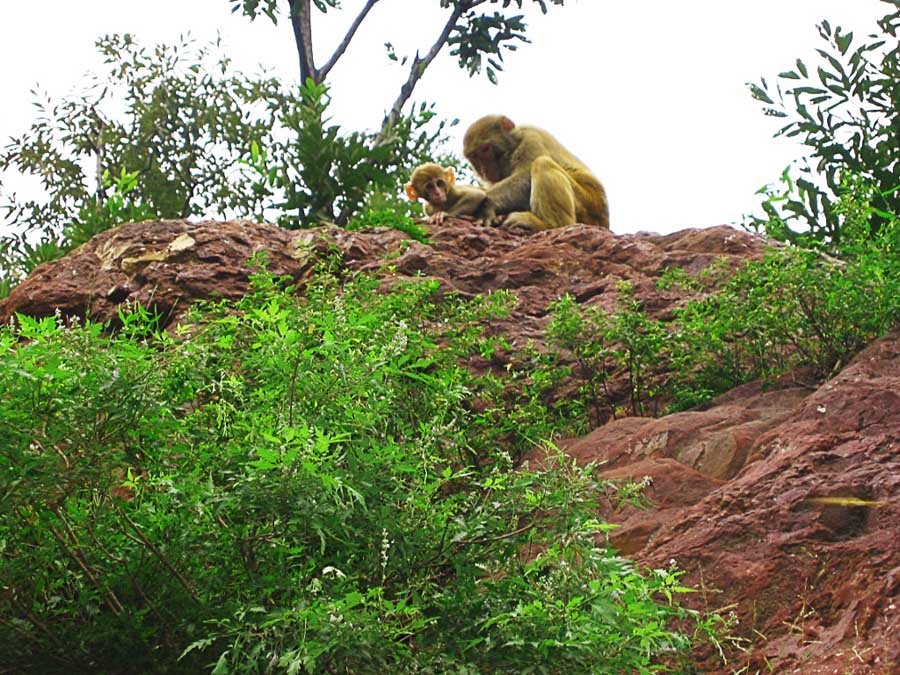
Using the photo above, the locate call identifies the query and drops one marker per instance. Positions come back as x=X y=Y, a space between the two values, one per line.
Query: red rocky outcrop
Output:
x=168 y=264
x=814 y=575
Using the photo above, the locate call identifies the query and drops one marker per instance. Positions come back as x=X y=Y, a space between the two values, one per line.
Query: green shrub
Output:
x=796 y=308
x=846 y=111
x=580 y=331
x=605 y=346
x=298 y=485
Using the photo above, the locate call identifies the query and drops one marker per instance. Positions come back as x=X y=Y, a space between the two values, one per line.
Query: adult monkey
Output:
x=532 y=177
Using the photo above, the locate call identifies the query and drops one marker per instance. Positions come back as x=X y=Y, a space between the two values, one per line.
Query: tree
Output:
x=176 y=132
x=847 y=111
x=473 y=37
x=187 y=119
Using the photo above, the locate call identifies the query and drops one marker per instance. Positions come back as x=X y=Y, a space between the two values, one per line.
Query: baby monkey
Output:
x=443 y=197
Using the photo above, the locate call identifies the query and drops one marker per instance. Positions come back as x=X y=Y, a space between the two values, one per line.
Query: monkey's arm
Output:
x=505 y=196
x=513 y=193
x=468 y=200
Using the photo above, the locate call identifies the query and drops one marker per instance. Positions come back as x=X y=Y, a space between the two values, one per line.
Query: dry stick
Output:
x=149 y=603
x=37 y=623
x=159 y=555
x=59 y=452
x=505 y=535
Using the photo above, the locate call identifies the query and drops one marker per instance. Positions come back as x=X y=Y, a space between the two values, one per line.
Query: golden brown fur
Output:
x=532 y=177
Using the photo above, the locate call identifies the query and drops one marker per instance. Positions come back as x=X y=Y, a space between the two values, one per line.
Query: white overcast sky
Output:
x=650 y=94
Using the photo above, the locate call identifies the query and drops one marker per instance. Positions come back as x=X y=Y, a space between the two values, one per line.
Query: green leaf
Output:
x=759 y=94
x=843 y=41
x=221 y=667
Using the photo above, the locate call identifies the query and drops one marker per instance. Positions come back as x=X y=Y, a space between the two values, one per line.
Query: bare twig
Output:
x=417 y=69
x=322 y=73
x=156 y=552
x=73 y=550
x=505 y=535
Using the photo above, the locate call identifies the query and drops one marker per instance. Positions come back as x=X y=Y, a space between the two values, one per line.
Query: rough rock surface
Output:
x=738 y=486
x=165 y=265
x=816 y=584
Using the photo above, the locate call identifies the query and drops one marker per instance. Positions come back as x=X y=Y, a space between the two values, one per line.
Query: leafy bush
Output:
x=174 y=116
x=580 y=331
x=847 y=112
x=297 y=485
x=608 y=347
x=797 y=308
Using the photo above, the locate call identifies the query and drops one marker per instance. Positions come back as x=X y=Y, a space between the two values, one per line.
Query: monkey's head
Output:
x=488 y=144
x=431 y=182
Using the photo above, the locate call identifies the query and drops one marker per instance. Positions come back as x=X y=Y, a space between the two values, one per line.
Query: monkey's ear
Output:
x=411 y=192
x=449 y=176
x=507 y=124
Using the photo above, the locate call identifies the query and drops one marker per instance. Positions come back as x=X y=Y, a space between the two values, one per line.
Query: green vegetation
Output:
x=298 y=485
x=605 y=346
x=847 y=112
x=312 y=483
x=796 y=309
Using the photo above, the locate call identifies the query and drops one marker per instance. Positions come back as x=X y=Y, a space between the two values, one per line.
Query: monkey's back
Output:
x=536 y=142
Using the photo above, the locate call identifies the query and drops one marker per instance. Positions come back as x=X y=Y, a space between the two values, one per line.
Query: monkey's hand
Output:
x=487 y=214
x=437 y=218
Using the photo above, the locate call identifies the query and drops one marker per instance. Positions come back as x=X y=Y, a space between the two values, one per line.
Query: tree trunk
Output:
x=301 y=22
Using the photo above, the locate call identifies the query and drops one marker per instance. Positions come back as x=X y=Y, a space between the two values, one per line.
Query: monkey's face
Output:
x=432 y=183
x=435 y=192
x=486 y=160
x=488 y=144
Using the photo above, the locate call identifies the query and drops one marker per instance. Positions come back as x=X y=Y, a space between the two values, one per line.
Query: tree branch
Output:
x=188 y=586
x=417 y=69
x=300 y=21
x=341 y=48
x=498 y=537
x=74 y=552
